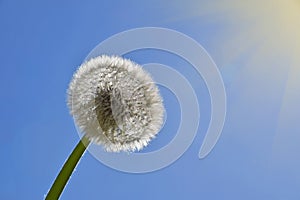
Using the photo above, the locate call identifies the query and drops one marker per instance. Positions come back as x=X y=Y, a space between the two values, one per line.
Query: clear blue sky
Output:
x=43 y=42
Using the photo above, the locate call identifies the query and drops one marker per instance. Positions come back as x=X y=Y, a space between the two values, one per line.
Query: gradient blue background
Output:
x=43 y=42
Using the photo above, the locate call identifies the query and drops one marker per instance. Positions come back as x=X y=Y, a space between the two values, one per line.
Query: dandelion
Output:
x=115 y=104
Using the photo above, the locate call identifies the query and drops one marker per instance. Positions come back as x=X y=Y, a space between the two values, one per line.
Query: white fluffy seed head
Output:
x=115 y=103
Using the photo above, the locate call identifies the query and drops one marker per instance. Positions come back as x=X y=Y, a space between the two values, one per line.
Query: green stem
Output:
x=66 y=171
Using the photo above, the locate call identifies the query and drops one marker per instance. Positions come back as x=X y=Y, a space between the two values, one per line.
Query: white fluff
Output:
x=115 y=103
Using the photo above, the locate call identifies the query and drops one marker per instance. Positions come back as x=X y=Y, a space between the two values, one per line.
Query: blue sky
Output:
x=43 y=42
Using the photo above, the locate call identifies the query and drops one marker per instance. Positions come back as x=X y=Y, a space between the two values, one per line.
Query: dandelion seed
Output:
x=115 y=103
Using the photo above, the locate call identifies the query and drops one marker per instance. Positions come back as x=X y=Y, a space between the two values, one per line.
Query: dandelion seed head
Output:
x=115 y=103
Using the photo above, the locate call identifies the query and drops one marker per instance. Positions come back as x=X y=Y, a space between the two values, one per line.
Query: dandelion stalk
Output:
x=66 y=171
